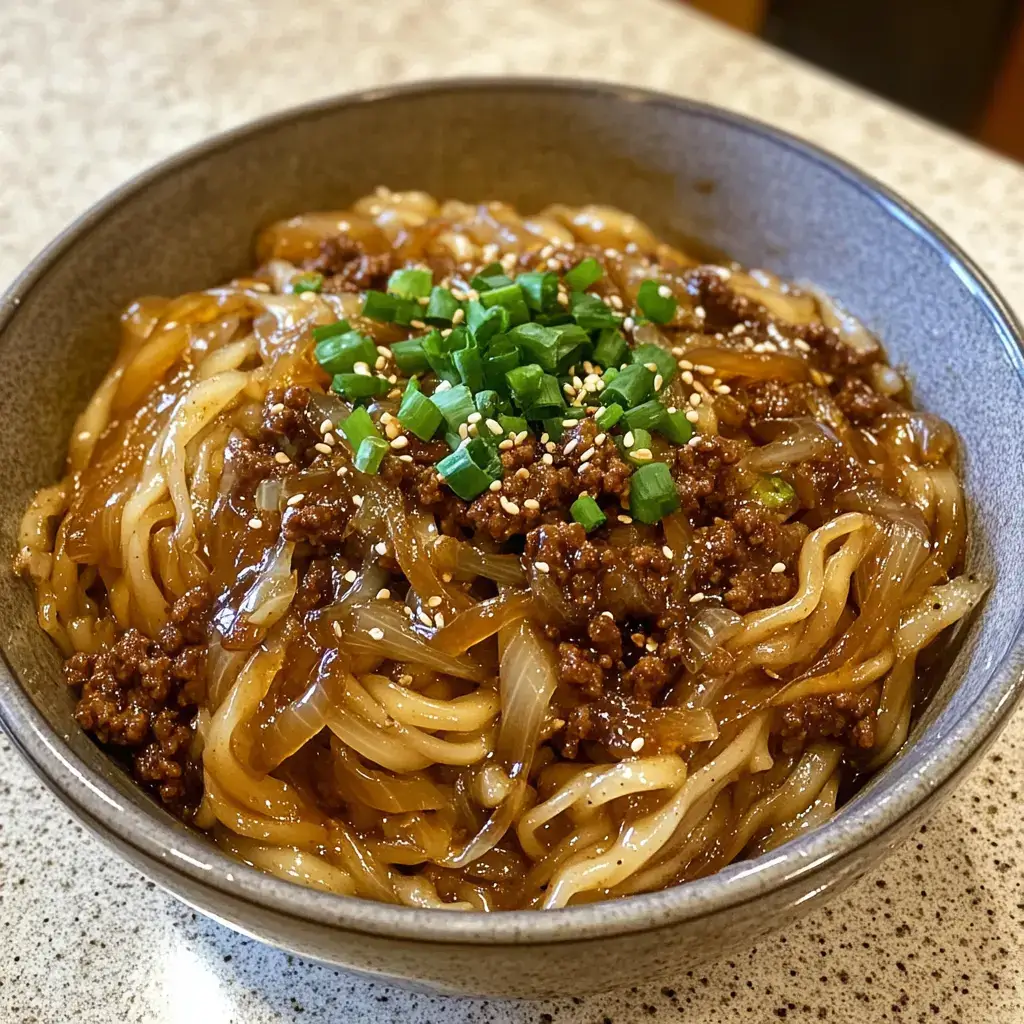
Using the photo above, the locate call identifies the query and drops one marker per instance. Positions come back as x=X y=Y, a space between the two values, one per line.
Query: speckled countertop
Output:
x=91 y=93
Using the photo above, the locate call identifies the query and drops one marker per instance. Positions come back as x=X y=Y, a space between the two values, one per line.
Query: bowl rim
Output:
x=862 y=823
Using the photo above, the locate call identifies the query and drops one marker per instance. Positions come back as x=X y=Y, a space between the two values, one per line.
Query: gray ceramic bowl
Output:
x=687 y=169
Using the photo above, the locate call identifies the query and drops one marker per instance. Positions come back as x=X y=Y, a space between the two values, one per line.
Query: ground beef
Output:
x=348 y=266
x=143 y=695
x=578 y=668
x=773 y=400
x=846 y=717
x=699 y=471
x=860 y=403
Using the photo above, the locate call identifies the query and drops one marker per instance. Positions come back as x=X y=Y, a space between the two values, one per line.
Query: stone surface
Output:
x=89 y=94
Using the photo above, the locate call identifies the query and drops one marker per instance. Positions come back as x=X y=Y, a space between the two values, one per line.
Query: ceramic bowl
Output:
x=690 y=171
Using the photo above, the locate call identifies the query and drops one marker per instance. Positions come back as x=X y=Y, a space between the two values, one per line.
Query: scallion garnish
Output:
x=655 y=354
x=389 y=308
x=357 y=426
x=324 y=331
x=513 y=424
x=487 y=402
x=370 y=454
x=438 y=352
x=441 y=308
x=612 y=349
x=417 y=413
x=634 y=441
x=587 y=513
x=455 y=404
x=652 y=493
x=492 y=276
x=471 y=468
x=608 y=416
x=340 y=352
x=510 y=297
x=653 y=304
x=410 y=283
x=584 y=274
x=676 y=427
x=540 y=289
x=629 y=387
x=646 y=416
x=355 y=386
x=524 y=383
x=591 y=313
x=773 y=491
x=470 y=366
x=547 y=401
x=310 y=281
x=409 y=356
x=502 y=356
x=486 y=322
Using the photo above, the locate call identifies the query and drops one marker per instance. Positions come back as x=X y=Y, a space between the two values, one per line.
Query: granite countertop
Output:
x=90 y=94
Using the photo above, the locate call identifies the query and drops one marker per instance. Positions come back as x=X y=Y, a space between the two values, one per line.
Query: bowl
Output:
x=690 y=171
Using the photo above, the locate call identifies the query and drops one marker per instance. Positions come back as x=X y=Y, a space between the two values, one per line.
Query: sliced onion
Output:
x=847 y=326
x=268 y=495
x=707 y=631
x=466 y=561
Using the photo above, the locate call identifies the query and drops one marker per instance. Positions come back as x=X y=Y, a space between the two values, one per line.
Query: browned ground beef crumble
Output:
x=623 y=604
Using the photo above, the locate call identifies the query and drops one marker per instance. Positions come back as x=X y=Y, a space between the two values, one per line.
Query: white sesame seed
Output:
x=400 y=442
x=724 y=389
x=324 y=449
x=531 y=503
x=494 y=485
x=599 y=439
x=383 y=594
x=547 y=458
x=696 y=598
x=83 y=435
x=642 y=454
x=571 y=446
x=686 y=377
x=658 y=381
x=667 y=551
x=523 y=473
x=548 y=250
x=357 y=500
x=380 y=363
x=474 y=417
x=458 y=316
x=326 y=427
x=653 y=367
x=587 y=455
x=694 y=441
x=439 y=619
x=377 y=633
x=569 y=390
x=692 y=415
x=615 y=301
x=391 y=430
x=568 y=423
x=664 y=291
x=695 y=399
x=350 y=576
x=424 y=618
x=296 y=499
x=550 y=446
x=342 y=470
x=638 y=744
x=381 y=548
x=494 y=427
x=406 y=458
x=277 y=407
x=435 y=601
x=779 y=567
x=628 y=324
x=801 y=344
x=464 y=430
x=625 y=519
x=542 y=567
x=521 y=436
x=628 y=439
x=507 y=445
x=509 y=506
x=255 y=523
x=444 y=385
x=417 y=324
x=363 y=369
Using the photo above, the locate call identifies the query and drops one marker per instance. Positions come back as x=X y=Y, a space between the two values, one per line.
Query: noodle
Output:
x=365 y=562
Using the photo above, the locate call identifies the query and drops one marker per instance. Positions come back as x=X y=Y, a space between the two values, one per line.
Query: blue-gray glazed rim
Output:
x=944 y=747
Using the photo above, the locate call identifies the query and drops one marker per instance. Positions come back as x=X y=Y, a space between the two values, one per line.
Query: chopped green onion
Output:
x=410 y=283
x=547 y=401
x=417 y=413
x=646 y=416
x=307 y=282
x=339 y=353
x=470 y=365
x=573 y=345
x=471 y=468
x=540 y=289
x=511 y=297
x=591 y=313
x=612 y=349
x=497 y=364
x=676 y=427
x=652 y=493
x=552 y=426
x=630 y=386
x=584 y=274
x=524 y=383
x=513 y=424
x=773 y=492
x=488 y=403
x=441 y=308
x=357 y=426
x=409 y=356
x=438 y=352
x=539 y=345
x=325 y=331
x=389 y=308
x=554 y=319
x=639 y=441
x=653 y=304
x=587 y=513
x=609 y=416
x=359 y=385
x=492 y=276
x=370 y=454
x=610 y=373
x=486 y=321
x=666 y=364
x=456 y=405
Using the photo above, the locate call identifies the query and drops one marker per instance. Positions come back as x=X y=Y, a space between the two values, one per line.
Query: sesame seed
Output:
x=507 y=445
x=696 y=598
x=424 y=618
x=724 y=389
x=615 y=301
x=418 y=324
x=642 y=454
x=446 y=577
x=350 y=576
x=336 y=626
x=568 y=423
x=381 y=548
x=384 y=351
x=472 y=294
x=494 y=427
x=463 y=430
x=494 y=485
x=439 y=619
x=255 y=523
x=638 y=744
x=546 y=458
x=363 y=369
x=342 y=470
x=377 y=633
x=357 y=500
x=509 y=506
x=324 y=449
x=296 y=499
x=628 y=324
x=694 y=441
x=658 y=381
x=383 y=594
x=708 y=371
x=625 y=519
x=692 y=415
x=532 y=503
x=571 y=446
x=391 y=430
x=569 y=390
x=542 y=566
x=523 y=473
x=521 y=436
x=458 y=316
x=695 y=399
x=548 y=250
x=599 y=439
x=779 y=567
x=653 y=367
x=550 y=446
x=400 y=442
x=406 y=458
x=664 y=291
x=277 y=407
x=444 y=385
x=474 y=417
x=628 y=439
x=686 y=376
x=587 y=455
x=667 y=551
x=699 y=310
x=801 y=344
x=435 y=601
x=326 y=427
x=380 y=363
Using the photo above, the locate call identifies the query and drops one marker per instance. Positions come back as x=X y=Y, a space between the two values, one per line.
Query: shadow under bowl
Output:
x=690 y=171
